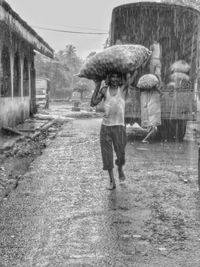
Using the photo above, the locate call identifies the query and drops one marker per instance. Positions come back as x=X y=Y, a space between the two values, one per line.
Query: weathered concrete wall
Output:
x=16 y=107
x=17 y=71
x=13 y=110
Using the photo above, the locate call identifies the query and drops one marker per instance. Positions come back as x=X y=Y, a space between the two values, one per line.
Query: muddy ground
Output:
x=61 y=214
x=15 y=161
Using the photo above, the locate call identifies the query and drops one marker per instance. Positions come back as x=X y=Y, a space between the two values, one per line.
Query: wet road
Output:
x=62 y=215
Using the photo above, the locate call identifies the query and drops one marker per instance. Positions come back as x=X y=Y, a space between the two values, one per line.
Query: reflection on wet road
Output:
x=62 y=215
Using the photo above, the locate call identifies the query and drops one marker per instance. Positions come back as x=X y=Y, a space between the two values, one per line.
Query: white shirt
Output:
x=114 y=107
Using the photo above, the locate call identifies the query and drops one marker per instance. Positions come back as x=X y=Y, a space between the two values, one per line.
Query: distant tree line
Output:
x=61 y=71
x=66 y=64
x=192 y=3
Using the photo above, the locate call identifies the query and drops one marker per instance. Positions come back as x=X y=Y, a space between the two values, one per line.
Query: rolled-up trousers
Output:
x=112 y=137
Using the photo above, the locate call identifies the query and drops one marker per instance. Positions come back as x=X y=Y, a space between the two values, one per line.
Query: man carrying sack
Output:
x=114 y=65
x=113 y=132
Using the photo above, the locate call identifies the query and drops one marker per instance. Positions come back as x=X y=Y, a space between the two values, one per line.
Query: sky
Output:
x=70 y=15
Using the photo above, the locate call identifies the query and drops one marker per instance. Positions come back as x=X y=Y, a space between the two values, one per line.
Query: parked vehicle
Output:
x=42 y=92
x=177 y=29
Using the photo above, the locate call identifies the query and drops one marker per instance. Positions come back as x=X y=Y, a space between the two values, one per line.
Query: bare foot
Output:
x=112 y=186
x=122 y=176
x=112 y=180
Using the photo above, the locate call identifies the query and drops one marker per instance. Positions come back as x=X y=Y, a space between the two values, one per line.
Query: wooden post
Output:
x=199 y=169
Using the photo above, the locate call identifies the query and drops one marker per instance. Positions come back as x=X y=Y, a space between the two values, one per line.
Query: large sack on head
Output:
x=147 y=82
x=180 y=66
x=179 y=76
x=117 y=58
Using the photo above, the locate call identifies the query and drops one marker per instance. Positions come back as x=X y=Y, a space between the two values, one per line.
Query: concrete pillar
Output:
x=199 y=169
x=22 y=74
x=29 y=79
x=33 y=89
x=1 y=76
x=12 y=72
x=1 y=69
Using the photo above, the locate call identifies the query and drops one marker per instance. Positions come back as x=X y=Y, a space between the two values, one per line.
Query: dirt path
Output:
x=61 y=214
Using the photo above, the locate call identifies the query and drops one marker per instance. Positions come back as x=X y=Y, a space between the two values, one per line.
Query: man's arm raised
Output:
x=97 y=95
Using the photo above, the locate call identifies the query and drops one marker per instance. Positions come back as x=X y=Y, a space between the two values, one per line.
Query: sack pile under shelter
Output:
x=18 y=43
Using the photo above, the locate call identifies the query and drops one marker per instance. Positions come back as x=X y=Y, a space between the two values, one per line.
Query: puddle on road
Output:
x=142 y=148
x=67 y=135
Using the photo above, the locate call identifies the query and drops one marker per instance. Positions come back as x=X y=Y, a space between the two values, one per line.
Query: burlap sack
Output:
x=147 y=82
x=180 y=66
x=117 y=58
x=181 y=84
x=179 y=76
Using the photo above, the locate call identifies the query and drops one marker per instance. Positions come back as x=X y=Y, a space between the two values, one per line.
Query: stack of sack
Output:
x=148 y=82
x=179 y=74
x=117 y=58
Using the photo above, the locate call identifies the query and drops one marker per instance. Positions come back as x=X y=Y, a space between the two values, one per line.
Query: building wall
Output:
x=14 y=110
x=17 y=78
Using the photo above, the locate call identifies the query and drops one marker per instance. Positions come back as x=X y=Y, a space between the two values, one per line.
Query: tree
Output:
x=60 y=70
x=82 y=87
x=192 y=3
x=91 y=54
x=69 y=58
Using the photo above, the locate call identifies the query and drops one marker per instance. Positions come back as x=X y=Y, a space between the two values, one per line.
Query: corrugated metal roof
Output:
x=18 y=25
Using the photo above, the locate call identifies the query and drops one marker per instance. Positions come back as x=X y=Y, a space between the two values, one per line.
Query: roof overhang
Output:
x=18 y=25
